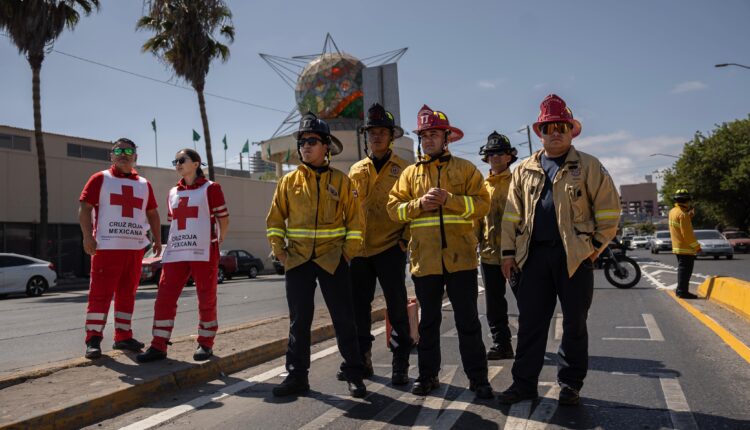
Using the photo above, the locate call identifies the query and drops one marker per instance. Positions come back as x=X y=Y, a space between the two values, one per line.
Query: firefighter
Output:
x=199 y=221
x=500 y=155
x=117 y=209
x=562 y=211
x=684 y=244
x=383 y=252
x=314 y=230
x=439 y=197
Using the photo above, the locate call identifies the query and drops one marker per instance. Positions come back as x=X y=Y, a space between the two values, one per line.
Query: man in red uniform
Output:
x=124 y=209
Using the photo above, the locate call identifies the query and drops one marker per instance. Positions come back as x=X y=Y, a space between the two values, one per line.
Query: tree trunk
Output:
x=41 y=238
x=206 y=133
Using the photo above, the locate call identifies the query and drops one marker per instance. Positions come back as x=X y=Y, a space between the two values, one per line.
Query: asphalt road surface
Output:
x=652 y=365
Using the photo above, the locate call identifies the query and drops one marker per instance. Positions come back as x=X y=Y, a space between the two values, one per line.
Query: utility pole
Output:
x=528 y=136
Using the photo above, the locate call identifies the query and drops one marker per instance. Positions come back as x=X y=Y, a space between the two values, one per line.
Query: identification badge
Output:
x=333 y=192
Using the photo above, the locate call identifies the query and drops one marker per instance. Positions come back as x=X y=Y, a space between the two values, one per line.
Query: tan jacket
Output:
x=488 y=228
x=467 y=201
x=681 y=230
x=317 y=213
x=586 y=201
x=379 y=232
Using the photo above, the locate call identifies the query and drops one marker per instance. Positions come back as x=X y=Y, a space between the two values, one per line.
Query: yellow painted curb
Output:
x=730 y=292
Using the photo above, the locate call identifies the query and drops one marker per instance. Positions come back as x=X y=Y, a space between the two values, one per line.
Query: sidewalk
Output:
x=80 y=392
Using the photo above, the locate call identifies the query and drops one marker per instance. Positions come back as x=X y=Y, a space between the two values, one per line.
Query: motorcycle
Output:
x=619 y=269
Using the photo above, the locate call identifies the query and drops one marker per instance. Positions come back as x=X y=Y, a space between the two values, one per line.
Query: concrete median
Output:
x=729 y=292
x=80 y=392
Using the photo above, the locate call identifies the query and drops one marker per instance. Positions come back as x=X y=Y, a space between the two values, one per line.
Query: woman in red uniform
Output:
x=199 y=220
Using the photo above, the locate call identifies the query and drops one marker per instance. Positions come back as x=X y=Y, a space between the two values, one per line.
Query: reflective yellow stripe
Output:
x=275 y=232
x=298 y=233
x=432 y=221
x=694 y=245
x=469 y=203
x=354 y=234
x=402 y=212
x=685 y=250
x=674 y=224
x=512 y=217
x=607 y=214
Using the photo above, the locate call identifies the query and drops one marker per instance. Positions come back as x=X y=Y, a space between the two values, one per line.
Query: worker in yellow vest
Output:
x=684 y=244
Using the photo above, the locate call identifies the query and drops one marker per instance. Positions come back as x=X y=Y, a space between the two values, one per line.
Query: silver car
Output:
x=23 y=274
x=662 y=241
x=714 y=244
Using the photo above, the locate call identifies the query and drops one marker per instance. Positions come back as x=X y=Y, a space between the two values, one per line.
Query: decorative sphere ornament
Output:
x=330 y=86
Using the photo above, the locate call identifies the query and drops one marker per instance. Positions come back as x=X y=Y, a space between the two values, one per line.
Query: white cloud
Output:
x=540 y=86
x=599 y=139
x=688 y=86
x=490 y=84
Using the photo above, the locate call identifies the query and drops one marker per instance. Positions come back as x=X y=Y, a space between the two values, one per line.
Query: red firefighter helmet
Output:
x=554 y=109
x=428 y=119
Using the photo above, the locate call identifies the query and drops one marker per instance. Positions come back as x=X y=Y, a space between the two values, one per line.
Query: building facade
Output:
x=640 y=202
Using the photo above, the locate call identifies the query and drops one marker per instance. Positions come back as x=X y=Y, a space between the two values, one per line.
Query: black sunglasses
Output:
x=181 y=160
x=311 y=141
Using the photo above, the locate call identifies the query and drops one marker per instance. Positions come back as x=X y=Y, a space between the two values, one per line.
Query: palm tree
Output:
x=33 y=26
x=184 y=39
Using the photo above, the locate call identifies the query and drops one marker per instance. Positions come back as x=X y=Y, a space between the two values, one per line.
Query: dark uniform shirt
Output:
x=545 y=219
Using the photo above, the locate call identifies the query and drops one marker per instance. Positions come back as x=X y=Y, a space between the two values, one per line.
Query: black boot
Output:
x=292 y=384
x=202 y=353
x=129 y=345
x=400 y=375
x=368 y=372
x=357 y=388
x=151 y=354
x=94 y=348
x=512 y=395
x=500 y=351
x=483 y=390
x=568 y=396
x=424 y=385
x=685 y=295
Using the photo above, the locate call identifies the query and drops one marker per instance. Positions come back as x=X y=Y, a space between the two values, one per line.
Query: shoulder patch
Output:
x=395 y=170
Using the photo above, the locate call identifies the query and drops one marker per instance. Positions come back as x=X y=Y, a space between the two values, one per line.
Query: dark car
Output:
x=247 y=264
x=151 y=268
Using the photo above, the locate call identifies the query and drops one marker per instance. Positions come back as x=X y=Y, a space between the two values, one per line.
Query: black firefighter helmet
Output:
x=377 y=116
x=311 y=124
x=682 y=195
x=498 y=144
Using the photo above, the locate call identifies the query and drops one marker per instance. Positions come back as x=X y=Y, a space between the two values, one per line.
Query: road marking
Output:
x=740 y=348
x=558 y=326
x=456 y=408
x=433 y=404
x=662 y=271
x=679 y=410
x=385 y=416
x=518 y=415
x=198 y=402
x=544 y=410
x=654 y=333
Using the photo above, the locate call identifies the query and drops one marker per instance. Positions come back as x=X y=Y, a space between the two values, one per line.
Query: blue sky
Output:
x=638 y=74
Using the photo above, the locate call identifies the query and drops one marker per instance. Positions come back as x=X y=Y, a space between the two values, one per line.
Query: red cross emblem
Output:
x=127 y=200
x=182 y=212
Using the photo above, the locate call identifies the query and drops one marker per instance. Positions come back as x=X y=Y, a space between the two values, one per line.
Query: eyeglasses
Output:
x=310 y=141
x=126 y=151
x=551 y=127
x=181 y=160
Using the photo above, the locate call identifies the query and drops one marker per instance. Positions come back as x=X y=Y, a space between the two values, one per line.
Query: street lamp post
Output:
x=732 y=64
x=528 y=137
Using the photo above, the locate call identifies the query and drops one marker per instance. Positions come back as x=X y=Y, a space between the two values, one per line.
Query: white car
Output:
x=662 y=241
x=22 y=274
x=714 y=244
x=639 y=242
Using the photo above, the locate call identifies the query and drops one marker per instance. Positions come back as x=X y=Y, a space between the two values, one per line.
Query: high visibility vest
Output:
x=190 y=231
x=121 y=221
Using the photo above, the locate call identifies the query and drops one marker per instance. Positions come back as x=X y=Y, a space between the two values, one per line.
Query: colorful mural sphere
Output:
x=330 y=86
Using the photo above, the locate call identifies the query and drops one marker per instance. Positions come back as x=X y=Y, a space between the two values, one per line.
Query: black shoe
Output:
x=151 y=354
x=368 y=371
x=500 y=351
x=483 y=390
x=357 y=388
x=128 y=345
x=400 y=375
x=94 y=348
x=292 y=385
x=568 y=397
x=424 y=385
x=511 y=395
x=686 y=295
x=202 y=353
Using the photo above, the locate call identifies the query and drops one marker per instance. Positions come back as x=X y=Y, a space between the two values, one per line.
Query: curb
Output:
x=729 y=292
x=120 y=401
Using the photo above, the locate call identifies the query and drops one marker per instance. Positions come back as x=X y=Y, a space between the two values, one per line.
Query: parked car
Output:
x=662 y=241
x=627 y=242
x=151 y=267
x=739 y=240
x=639 y=242
x=247 y=264
x=713 y=244
x=23 y=274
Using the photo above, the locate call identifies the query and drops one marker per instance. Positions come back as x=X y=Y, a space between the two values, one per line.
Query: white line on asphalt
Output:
x=679 y=410
x=518 y=416
x=456 y=408
x=558 y=326
x=432 y=405
x=385 y=416
x=663 y=271
x=654 y=333
x=198 y=402
x=544 y=410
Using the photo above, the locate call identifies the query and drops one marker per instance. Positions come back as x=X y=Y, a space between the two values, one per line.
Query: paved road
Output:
x=49 y=328
x=653 y=365
x=738 y=267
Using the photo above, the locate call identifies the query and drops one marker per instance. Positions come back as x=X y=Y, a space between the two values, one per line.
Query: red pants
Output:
x=113 y=272
x=173 y=279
